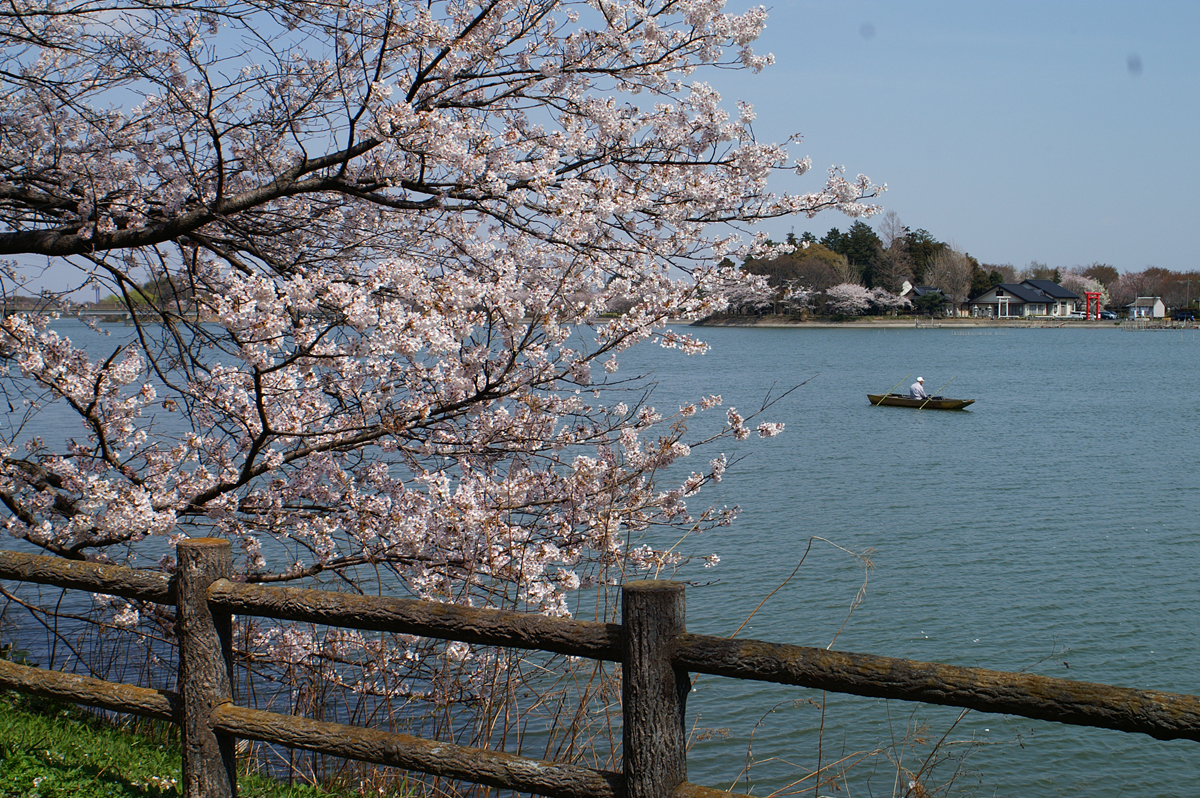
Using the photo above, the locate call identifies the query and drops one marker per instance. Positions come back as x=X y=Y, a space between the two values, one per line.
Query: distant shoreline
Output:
x=882 y=323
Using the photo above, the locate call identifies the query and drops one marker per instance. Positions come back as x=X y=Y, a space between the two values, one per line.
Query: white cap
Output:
x=920 y=379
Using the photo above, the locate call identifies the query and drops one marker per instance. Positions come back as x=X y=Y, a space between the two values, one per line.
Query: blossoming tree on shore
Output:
x=363 y=245
x=848 y=299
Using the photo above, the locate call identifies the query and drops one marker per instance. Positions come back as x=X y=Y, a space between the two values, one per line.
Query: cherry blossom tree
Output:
x=1075 y=281
x=364 y=246
x=1131 y=285
x=887 y=301
x=795 y=297
x=848 y=299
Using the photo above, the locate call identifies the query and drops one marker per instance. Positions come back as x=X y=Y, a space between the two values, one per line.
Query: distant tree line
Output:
x=882 y=259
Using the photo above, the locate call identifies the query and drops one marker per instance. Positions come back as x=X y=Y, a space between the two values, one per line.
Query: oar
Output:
x=894 y=387
x=935 y=393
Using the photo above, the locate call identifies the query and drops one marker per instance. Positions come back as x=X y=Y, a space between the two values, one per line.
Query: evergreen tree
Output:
x=835 y=241
x=922 y=248
x=983 y=281
x=864 y=251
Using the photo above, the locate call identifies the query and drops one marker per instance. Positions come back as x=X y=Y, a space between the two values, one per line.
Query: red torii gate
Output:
x=1093 y=297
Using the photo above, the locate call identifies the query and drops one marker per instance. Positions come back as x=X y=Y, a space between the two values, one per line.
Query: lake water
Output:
x=1051 y=527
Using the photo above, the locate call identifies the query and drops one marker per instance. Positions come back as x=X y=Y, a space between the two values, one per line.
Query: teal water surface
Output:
x=1051 y=527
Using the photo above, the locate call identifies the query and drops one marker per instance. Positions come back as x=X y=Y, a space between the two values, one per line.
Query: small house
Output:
x=1147 y=307
x=914 y=292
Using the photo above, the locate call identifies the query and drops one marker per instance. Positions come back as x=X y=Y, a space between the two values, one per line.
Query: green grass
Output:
x=54 y=750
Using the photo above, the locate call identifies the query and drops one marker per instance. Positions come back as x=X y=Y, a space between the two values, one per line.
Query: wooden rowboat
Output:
x=933 y=403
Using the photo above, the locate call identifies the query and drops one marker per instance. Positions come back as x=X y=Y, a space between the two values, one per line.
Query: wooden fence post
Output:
x=653 y=614
x=205 y=662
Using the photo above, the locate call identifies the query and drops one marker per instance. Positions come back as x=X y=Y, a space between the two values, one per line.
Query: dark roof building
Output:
x=1051 y=288
x=1026 y=298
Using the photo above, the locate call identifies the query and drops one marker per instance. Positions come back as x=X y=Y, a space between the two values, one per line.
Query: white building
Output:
x=1147 y=307
x=1026 y=298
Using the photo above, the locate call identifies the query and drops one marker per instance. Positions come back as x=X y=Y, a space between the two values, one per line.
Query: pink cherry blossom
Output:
x=370 y=253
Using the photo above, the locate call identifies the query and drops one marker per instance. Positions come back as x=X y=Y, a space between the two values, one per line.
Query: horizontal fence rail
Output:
x=112 y=580
x=482 y=766
x=424 y=618
x=651 y=643
x=1165 y=716
x=128 y=698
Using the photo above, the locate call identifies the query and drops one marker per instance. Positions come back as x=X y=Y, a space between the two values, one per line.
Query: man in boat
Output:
x=917 y=391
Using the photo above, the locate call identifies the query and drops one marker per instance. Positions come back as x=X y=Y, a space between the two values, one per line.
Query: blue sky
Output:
x=1061 y=132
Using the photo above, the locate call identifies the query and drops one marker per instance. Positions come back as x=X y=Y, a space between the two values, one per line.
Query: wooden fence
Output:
x=651 y=642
